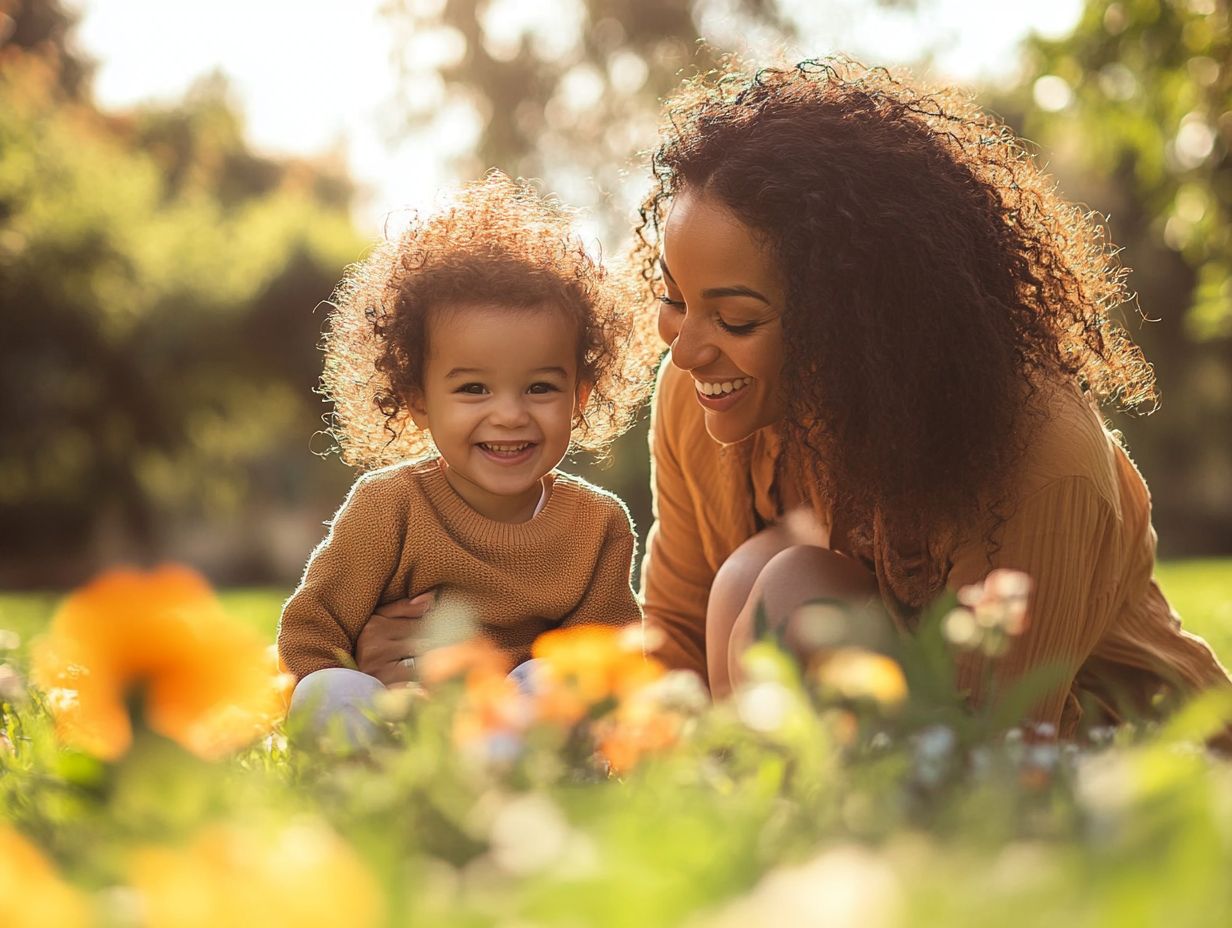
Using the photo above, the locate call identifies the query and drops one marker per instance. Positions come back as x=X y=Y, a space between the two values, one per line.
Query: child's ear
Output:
x=583 y=394
x=418 y=408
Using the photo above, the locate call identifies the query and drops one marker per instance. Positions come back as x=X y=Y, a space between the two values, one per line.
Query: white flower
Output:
x=844 y=887
x=763 y=706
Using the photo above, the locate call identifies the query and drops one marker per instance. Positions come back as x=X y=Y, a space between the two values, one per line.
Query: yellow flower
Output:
x=206 y=681
x=302 y=875
x=855 y=673
x=32 y=895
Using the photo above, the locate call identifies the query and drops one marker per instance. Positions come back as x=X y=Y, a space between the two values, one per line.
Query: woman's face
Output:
x=721 y=315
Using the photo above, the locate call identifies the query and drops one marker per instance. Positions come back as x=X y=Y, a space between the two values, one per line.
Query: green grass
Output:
x=1201 y=593
x=918 y=815
x=1199 y=590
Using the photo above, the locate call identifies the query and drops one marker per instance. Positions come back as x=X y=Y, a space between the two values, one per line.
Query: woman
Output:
x=881 y=318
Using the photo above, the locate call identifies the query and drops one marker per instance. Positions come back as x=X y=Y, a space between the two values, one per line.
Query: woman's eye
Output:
x=668 y=301
x=744 y=329
x=475 y=389
x=543 y=388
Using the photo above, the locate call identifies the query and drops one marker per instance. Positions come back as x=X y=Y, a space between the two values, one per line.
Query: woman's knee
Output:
x=801 y=573
x=729 y=591
x=734 y=579
x=852 y=614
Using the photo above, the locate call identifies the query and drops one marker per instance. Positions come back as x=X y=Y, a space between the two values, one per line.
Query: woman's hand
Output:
x=388 y=643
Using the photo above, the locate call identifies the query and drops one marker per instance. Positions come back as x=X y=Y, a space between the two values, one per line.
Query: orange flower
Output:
x=641 y=725
x=32 y=895
x=584 y=665
x=493 y=708
x=205 y=680
x=475 y=657
x=301 y=875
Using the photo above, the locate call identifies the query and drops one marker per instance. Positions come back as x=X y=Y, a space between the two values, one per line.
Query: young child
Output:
x=464 y=361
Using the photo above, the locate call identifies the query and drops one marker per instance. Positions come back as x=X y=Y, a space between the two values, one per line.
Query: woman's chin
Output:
x=730 y=430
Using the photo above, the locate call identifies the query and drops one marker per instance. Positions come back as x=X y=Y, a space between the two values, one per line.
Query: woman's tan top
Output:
x=1079 y=524
x=403 y=530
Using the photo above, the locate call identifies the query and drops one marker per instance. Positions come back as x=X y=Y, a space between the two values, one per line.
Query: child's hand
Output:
x=386 y=647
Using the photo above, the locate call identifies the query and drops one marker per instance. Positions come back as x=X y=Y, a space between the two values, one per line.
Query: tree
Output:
x=565 y=92
x=1135 y=111
x=46 y=27
x=1142 y=91
x=157 y=285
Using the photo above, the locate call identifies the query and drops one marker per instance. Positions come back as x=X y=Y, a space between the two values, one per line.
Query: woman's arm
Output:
x=676 y=579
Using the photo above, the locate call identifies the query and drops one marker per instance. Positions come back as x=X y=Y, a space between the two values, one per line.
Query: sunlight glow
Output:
x=323 y=76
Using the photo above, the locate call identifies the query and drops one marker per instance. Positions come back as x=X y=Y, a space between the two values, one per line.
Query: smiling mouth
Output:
x=510 y=449
x=721 y=387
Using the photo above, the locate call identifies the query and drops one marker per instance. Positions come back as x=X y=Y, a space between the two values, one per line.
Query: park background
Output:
x=163 y=263
x=182 y=184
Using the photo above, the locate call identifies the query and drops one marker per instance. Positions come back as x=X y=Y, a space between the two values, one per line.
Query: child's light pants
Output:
x=341 y=700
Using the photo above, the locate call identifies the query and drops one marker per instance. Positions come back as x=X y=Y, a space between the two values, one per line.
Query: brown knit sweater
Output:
x=403 y=530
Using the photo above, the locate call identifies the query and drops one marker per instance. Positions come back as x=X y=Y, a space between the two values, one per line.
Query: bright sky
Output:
x=316 y=75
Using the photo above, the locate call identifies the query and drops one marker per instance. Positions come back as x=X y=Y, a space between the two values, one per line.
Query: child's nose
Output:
x=510 y=411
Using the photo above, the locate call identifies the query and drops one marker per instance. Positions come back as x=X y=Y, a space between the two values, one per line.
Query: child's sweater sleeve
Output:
x=609 y=599
x=343 y=582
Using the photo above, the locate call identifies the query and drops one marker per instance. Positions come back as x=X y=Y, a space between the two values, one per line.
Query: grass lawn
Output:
x=1200 y=590
x=781 y=806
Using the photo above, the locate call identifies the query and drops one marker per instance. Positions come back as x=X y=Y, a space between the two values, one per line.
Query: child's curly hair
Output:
x=933 y=279
x=494 y=241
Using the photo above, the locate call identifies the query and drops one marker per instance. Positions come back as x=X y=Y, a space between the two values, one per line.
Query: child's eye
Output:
x=542 y=387
x=475 y=389
x=668 y=301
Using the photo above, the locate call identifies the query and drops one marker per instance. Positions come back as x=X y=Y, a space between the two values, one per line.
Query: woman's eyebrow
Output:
x=716 y=292
x=713 y=293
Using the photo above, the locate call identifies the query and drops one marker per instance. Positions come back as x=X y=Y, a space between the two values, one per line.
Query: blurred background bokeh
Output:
x=164 y=255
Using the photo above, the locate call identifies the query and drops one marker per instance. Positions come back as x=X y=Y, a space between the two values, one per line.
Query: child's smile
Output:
x=499 y=397
x=508 y=453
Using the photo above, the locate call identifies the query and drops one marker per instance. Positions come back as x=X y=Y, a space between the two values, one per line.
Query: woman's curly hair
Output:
x=933 y=280
x=491 y=242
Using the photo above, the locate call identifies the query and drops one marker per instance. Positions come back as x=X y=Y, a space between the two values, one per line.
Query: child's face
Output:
x=500 y=389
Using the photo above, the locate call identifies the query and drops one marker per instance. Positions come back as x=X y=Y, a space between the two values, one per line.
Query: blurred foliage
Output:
x=565 y=92
x=153 y=272
x=795 y=802
x=1141 y=91
x=46 y=28
x=1133 y=112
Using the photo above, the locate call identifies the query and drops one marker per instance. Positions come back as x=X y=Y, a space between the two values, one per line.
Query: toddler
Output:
x=464 y=360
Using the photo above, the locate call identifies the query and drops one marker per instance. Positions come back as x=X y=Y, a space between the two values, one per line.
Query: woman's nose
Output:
x=691 y=348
